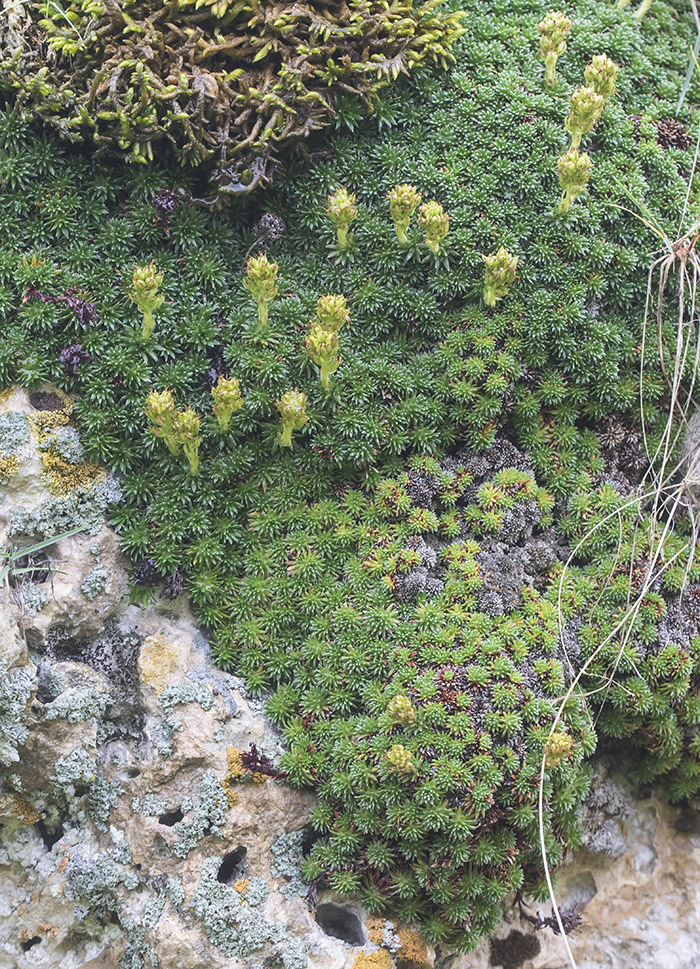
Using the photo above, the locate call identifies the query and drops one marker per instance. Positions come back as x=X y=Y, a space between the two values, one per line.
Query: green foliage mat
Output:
x=272 y=542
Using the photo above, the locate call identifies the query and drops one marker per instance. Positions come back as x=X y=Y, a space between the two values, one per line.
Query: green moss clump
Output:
x=219 y=82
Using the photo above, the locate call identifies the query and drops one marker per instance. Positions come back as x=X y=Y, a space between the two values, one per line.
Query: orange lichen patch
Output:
x=19 y=807
x=413 y=953
x=157 y=662
x=375 y=929
x=8 y=467
x=373 y=960
x=64 y=477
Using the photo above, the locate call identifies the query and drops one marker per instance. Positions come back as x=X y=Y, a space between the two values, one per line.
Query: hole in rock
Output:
x=160 y=847
x=46 y=401
x=340 y=923
x=171 y=817
x=132 y=772
x=515 y=949
x=49 y=835
x=26 y=946
x=233 y=866
x=580 y=889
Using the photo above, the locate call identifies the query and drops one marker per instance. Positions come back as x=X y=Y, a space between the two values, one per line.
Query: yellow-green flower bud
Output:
x=499 y=275
x=343 y=211
x=558 y=748
x=186 y=431
x=574 y=170
x=292 y=407
x=259 y=280
x=436 y=222
x=399 y=760
x=554 y=30
x=159 y=408
x=332 y=311
x=601 y=75
x=227 y=398
x=145 y=292
x=323 y=347
x=403 y=202
x=401 y=711
x=585 y=109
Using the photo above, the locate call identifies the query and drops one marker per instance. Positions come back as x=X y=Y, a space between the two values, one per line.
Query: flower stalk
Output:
x=145 y=292
x=292 y=407
x=554 y=30
x=499 y=276
x=259 y=280
x=343 y=211
x=323 y=347
x=227 y=399
x=403 y=202
x=574 y=170
x=436 y=223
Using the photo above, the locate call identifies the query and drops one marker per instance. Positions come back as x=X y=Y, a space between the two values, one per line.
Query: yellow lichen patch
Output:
x=157 y=662
x=236 y=771
x=19 y=807
x=42 y=422
x=413 y=953
x=62 y=477
x=373 y=960
x=8 y=467
x=5 y=394
x=241 y=886
x=375 y=929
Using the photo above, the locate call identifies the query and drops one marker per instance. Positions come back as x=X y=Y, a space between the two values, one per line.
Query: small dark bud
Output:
x=84 y=311
x=145 y=573
x=71 y=357
x=269 y=227
x=174 y=584
x=166 y=203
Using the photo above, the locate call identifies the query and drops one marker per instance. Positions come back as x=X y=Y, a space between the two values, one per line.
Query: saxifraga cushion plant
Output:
x=423 y=367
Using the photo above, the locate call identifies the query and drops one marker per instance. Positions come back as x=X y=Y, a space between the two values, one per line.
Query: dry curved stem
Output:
x=660 y=490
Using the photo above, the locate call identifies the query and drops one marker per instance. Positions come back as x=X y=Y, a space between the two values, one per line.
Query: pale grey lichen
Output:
x=96 y=881
x=176 y=892
x=207 y=816
x=14 y=432
x=94 y=582
x=78 y=704
x=16 y=688
x=154 y=910
x=184 y=692
x=76 y=769
x=33 y=598
x=230 y=920
x=83 y=508
x=151 y=806
x=66 y=442
x=294 y=954
x=103 y=796
x=288 y=858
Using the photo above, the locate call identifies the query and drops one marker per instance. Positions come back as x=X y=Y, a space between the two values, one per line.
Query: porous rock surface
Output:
x=131 y=835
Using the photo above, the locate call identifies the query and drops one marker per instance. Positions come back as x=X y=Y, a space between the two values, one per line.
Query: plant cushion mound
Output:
x=296 y=554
